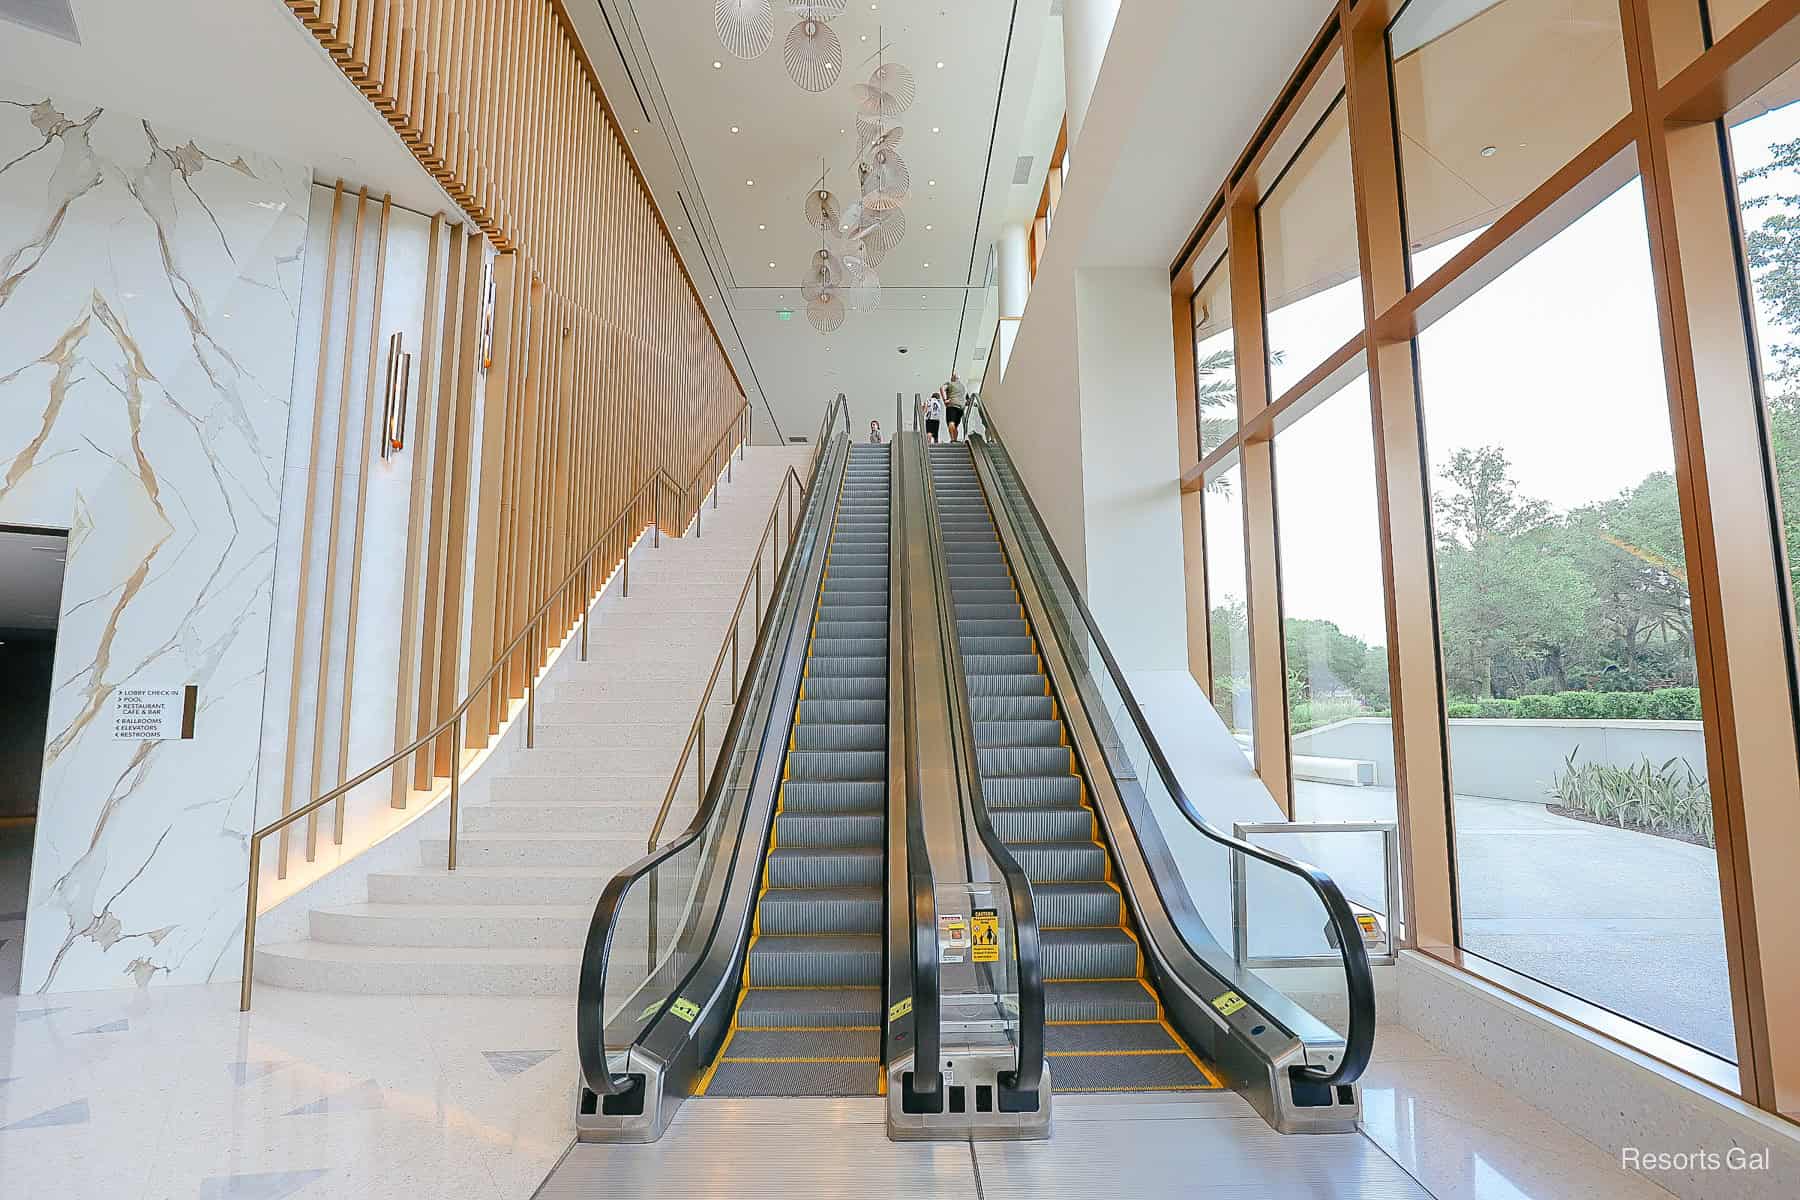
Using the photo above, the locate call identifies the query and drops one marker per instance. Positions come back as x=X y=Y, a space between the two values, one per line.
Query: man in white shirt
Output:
x=934 y=412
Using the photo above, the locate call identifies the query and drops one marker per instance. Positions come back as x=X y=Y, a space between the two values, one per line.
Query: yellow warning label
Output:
x=900 y=1009
x=1229 y=1003
x=686 y=1009
x=985 y=943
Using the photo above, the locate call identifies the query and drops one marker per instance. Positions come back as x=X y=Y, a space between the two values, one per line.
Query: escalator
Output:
x=1105 y=1028
x=809 y=1014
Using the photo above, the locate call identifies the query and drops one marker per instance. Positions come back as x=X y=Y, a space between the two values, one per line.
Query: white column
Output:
x=1087 y=27
x=1014 y=253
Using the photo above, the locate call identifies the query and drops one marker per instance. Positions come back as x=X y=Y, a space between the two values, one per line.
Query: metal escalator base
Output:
x=808 y=1017
x=1105 y=1029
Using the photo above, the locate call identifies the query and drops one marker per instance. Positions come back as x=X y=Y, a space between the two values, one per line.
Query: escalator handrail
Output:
x=926 y=991
x=1026 y=941
x=1359 y=1036
x=590 y=1004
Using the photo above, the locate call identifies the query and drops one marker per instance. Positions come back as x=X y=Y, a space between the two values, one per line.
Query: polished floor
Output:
x=170 y=1094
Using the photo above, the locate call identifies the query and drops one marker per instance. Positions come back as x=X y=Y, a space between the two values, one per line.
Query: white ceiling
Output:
x=678 y=111
x=31 y=575
x=243 y=71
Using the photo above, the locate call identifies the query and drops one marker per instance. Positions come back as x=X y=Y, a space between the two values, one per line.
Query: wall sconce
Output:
x=393 y=412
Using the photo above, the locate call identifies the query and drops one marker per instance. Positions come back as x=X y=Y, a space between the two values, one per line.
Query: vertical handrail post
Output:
x=250 y=924
x=700 y=756
x=531 y=660
x=625 y=590
x=587 y=604
x=455 y=786
x=657 y=536
x=736 y=623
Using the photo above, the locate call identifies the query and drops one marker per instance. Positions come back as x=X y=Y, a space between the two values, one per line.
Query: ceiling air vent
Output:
x=54 y=17
x=799 y=437
x=981 y=354
x=1021 y=169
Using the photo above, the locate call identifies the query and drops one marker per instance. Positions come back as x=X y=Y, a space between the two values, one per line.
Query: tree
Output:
x=1511 y=605
x=1772 y=251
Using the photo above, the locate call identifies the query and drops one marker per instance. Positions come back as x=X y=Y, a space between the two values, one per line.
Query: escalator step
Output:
x=848 y=666
x=839 y=796
x=838 y=736
x=820 y=910
x=999 y=735
x=1060 y=792
x=836 y=830
x=815 y=960
x=1109 y=1000
x=1023 y=684
x=825 y=765
x=831 y=627
x=804 y=1044
x=847 y=687
x=984 y=645
x=1089 y=954
x=1025 y=761
x=1012 y=708
x=811 y=867
x=1075 y=905
x=1019 y=826
x=1000 y=664
x=857 y=712
x=810 y=1007
x=1103 y=1038
x=1062 y=862
x=967 y=628
x=1006 y=609
x=874 y=648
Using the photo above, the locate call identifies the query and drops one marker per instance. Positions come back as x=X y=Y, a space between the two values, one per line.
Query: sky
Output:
x=1558 y=362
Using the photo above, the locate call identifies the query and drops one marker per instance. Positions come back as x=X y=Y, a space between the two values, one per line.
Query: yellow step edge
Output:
x=1108 y=1053
x=840 y=1059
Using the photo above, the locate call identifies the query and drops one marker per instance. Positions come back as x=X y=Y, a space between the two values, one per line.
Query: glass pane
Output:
x=1227 y=591
x=1490 y=105
x=1312 y=288
x=1215 y=361
x=1334 y=613
x=1766 y=152
x=1577 y=757
x=1725 y=15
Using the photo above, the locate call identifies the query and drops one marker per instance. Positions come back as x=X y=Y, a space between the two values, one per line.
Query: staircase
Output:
x=561 y=819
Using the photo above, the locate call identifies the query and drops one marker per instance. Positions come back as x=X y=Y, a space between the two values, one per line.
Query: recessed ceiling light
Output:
x=762 y=226
x=865 y=37
x=771 y=266
x=717 y=64
x=929 y=228
x=928 y=264
x=935 y=129
x=931 y=183
x=749 y=183
x=940 y=66
x=734 y=129
x=1489 y=151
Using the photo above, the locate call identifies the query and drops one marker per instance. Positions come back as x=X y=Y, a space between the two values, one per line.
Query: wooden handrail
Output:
x=529 y=636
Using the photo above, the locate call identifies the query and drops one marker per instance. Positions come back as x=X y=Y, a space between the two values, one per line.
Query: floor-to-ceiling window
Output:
x=1503 y=536
x=1215 y=361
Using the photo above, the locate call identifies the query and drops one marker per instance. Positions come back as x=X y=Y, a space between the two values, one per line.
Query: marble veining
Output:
x=149 y=301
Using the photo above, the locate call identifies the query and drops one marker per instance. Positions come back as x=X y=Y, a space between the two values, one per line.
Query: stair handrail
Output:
x=1359 y=1036
x=533 y=640
x=590 y=1015
x=1027 y=943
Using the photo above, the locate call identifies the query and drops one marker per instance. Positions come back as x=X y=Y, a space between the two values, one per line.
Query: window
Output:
x=1215 y=361
x=1312 y=275
x=1766 y=150
x=1490 y=105
x=1577 y=755
x=1334 y=613
x=1228 y=612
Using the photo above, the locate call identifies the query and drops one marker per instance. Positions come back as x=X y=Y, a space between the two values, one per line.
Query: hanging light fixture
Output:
x=746 y=27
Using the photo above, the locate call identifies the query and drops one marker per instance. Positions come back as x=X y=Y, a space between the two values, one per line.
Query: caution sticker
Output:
x=1229 y=1003
x=900 y=1009
x=684 y=1008
x=1371 y=928
x=984 y=945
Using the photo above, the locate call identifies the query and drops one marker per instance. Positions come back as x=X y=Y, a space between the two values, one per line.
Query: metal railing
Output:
x=532 y=639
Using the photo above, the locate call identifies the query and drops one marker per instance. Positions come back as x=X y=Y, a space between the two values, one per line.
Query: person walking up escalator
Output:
x=934 y=414
x=953 y=405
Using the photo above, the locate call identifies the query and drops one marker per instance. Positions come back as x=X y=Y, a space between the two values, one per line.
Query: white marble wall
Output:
x=149 y=296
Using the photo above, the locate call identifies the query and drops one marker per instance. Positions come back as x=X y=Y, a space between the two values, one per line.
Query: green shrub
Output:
x=1624 y=706
x=1671 y=798
x=1496 y=710
x=1466 y=710
x=1535 y=708
x=1578 y=706
x=1675 y=704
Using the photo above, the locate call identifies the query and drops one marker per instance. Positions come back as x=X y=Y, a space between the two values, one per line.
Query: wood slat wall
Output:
x=604 y=367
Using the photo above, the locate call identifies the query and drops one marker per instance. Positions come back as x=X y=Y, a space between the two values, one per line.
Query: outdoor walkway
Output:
x=1626 y=920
